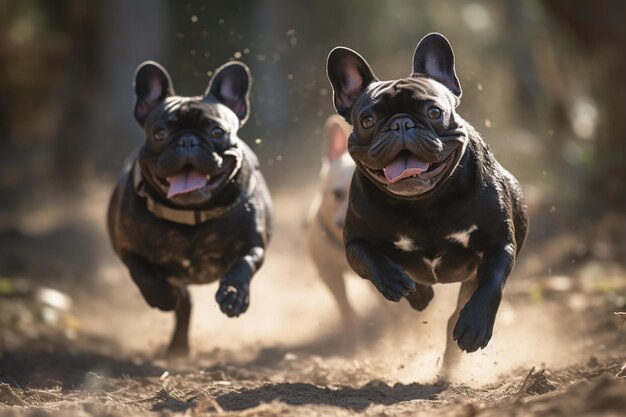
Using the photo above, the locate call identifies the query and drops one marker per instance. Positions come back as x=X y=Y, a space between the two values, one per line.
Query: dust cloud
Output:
x=292 y=313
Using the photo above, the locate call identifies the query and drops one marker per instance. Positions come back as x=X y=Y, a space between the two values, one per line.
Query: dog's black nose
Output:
x=402 y=124
x=188 y=140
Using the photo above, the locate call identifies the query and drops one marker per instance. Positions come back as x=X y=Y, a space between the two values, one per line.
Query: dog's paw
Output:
x=393 y=282
x=420 y=297
x=474 y=327
x=233 y=298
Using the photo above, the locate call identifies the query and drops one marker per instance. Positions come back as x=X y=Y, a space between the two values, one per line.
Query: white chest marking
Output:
x=463 y=236
x=405 y=244
x=432 y=263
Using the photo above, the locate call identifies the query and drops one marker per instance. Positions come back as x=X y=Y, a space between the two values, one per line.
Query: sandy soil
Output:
x=556 y=350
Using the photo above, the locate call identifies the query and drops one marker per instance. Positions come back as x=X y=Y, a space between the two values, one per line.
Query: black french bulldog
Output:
x=428 y=202
x=193 y=208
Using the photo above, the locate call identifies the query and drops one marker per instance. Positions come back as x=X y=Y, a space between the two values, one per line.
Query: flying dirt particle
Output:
x=237 y=55
x=261 y=57
x=246 y=50
x=290 y=76
x=479 y=87
x=323 y=92
x=220 y=21
x=290 y=32
x=194 y=19
x=552 y=209
x=279 y=158
x=258 y=141
x=209 y=73
x=192 y=52
x=487 y=123
x=164 y=376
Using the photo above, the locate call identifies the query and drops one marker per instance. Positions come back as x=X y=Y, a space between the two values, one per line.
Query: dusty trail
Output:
x=287 y=356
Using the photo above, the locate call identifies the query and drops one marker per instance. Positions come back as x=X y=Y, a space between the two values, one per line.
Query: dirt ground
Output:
x=558 y=347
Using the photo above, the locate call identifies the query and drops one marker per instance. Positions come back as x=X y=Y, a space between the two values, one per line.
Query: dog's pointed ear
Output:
x=335 y=141
x=231 y=86
x=434 y=58
x=152 y=85
x=349 y=75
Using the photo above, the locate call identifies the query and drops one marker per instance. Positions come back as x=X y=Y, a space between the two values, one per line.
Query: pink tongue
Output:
x=185 y=182
x=404 y=166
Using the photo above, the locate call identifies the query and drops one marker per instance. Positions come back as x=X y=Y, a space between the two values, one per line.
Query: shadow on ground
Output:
x=356 y=399
x=41 y=369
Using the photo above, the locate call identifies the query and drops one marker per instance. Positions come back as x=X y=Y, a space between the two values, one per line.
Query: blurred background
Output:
x=543 y=81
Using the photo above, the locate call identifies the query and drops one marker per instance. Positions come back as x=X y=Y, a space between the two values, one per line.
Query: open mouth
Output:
x=406 y=166
x=190 y=180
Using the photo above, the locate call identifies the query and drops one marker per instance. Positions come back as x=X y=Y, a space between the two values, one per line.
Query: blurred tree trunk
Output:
x=131 y=32
x=598 y=28
x=76 y=92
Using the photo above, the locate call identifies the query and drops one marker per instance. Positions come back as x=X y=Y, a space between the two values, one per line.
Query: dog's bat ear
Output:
x=231 y=86
x=434 y=58
x=152 y=85
x=349 y=75
x=336 y=132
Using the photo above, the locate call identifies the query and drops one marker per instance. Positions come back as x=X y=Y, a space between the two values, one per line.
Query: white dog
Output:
x=328 y=212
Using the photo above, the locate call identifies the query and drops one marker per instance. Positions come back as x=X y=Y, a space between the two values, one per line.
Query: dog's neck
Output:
x=183 y=215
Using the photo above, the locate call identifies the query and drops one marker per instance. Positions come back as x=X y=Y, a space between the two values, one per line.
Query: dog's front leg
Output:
x=155 y=289
x=474 y=327
x=233 y=295
x=389 y=278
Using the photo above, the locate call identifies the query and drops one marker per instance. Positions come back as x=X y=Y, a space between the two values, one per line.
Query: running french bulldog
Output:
x=327 y=214
x=428 y=202
x=193 y=207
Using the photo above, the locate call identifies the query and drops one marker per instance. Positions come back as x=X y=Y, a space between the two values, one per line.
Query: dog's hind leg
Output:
x=452 y=354
x=179 y=345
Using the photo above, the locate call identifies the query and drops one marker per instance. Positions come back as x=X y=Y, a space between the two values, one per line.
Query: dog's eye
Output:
x=368 y=122
x=339 y=194
x=434 y=112
x=217 y=133
x=160 y=133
